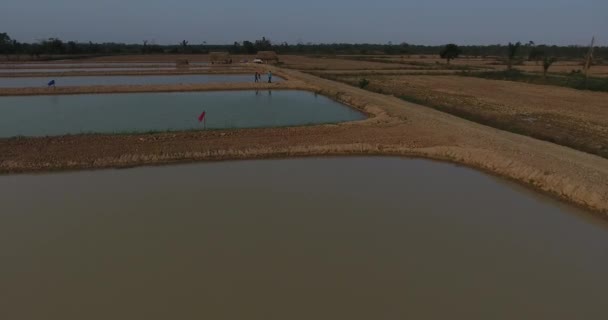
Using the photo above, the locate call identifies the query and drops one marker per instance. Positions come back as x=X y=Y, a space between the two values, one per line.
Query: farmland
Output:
x=551 y=138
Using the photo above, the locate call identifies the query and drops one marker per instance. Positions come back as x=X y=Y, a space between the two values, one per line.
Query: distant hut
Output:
x=220 y=58
x=268 y=56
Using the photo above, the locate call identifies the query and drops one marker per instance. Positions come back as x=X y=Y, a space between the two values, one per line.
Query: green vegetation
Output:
x=536 y=55
x=547 y=62
x=512 y=53
x=573 y=80
x=363 y=83
x=47 y=49
x=6 y=44
x=450 y=52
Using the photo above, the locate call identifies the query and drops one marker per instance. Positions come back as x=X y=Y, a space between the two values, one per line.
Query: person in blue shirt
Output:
x=269 y=76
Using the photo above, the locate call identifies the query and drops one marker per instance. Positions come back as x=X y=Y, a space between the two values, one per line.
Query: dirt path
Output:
x=396 y=128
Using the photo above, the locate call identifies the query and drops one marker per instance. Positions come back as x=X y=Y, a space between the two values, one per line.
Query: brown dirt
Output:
x=574 y=118
x=238 y=69
x=434 y=62
x=312 y=63
x=70 y=65
x=396 y=128
x=382 y=72
x=164 y=58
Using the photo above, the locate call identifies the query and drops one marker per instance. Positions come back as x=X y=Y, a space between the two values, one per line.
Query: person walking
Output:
x=269 y=76
x=257 y=77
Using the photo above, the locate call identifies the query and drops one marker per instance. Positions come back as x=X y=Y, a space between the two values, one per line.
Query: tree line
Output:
x=56 y=46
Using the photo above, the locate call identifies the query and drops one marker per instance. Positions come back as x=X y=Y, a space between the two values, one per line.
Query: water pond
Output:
x=143 y=112
x=338 y=238
x=75 y=81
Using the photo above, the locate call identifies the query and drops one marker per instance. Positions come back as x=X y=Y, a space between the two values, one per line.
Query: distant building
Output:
x=220 y=58
x=267 y=56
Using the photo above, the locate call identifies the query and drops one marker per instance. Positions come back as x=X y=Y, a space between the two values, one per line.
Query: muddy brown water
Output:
x=335 y=238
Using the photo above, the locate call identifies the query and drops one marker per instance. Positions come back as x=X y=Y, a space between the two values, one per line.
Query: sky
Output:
x=428 y=22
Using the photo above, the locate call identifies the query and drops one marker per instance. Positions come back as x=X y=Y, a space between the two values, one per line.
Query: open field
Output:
x=574 y=118
x=488 y=63
x=396 y=127
x=328 y=63
x=427 y=63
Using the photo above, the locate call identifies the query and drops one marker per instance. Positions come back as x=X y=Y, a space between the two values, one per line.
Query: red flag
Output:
x=201 y=117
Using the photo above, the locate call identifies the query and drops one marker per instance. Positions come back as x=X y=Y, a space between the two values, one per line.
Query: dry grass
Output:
x=573 y=118
x=427 y=63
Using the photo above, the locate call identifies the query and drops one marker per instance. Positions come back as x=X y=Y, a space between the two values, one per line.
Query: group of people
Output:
x=258 y=77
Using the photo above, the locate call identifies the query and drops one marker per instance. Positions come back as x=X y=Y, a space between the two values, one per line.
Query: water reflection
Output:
x=144 y=112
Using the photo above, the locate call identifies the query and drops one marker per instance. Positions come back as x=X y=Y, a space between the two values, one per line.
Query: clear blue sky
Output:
x=328 y=21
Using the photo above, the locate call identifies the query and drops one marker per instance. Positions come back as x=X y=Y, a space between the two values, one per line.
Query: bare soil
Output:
x=426 y=62
x=574 y=118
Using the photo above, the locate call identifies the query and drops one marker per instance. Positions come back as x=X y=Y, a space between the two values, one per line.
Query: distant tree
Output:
x=17 y=47
x=512 y=53
x=94 y=48
x=547 y=62
x=450 y=52
x=404 y=48
x=72 y=48
x=249 y=47
x=10 y=46
x=282 y=48
x=34 y=50
x=53 y=46
x=184 y=47
x=263 y=44
x=6 y=45
x=363 y=83
x=536 y=54
x=236 y=48
x=390 y=48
